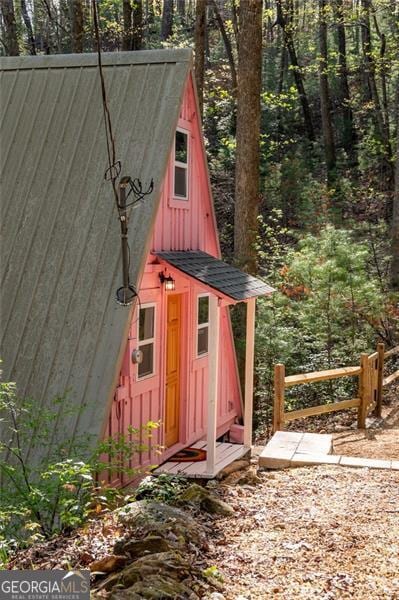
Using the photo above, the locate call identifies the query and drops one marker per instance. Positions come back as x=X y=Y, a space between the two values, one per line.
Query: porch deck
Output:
x=225 y=454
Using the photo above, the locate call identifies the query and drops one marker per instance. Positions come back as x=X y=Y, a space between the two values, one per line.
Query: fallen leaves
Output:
x=313 y=533
x=108 y=564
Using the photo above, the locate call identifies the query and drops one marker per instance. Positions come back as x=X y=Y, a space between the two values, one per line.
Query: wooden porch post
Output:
x=249 y=372
x=213 y=358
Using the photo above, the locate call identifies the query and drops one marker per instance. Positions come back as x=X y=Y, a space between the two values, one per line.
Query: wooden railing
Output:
x=383 y=355
x=371 y=382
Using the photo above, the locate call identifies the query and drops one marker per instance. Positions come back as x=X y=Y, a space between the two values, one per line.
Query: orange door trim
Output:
x=172 y=396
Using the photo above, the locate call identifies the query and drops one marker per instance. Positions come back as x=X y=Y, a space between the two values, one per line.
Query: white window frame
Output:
x=201 y=326
x=147 y=340
x=177 y=163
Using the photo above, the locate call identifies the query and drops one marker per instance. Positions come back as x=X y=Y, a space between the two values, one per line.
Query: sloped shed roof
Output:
x=217 y=274
x=61 y=328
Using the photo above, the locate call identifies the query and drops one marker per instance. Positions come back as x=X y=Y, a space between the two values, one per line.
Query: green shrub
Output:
x=164 y=488
x=328 y=308
x=56 y=489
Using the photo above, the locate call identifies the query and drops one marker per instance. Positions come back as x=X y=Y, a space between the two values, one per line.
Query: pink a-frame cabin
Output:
x=170 y=357
x=179 y=366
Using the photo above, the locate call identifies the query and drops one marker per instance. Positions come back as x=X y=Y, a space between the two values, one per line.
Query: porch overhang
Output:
x=227 y=285
x=223 y=279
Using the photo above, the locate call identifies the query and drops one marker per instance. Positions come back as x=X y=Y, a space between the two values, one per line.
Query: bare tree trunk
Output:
x=269 y=29
x=29 y=30
x=289 y=42
x=383 y=69
x=370 y=72
x=127 y=25
x=248 y=133
x=199 y=38
x=247 y=174
x=395 y=207
x=349 y=134
x=167 y=19
x=76 y=11
x=189 y=10
x=46 y=21
x=280 y=82
x=207 y=39
x=181 y=9
x=137 y=40
x=10 y=25
x=328 y=134
x=234 y=20
x=228 y=47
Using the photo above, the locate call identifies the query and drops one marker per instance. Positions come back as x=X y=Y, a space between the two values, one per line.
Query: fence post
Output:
x=364 y=390
x=279 y=387
x=381 y=356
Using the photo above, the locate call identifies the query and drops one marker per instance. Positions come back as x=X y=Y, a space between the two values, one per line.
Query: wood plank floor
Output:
x=225 y=454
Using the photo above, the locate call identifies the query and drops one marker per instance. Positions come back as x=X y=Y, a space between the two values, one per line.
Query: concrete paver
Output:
x=294 y=449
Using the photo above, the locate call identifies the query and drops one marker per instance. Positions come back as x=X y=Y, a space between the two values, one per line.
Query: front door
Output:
x=172 y=407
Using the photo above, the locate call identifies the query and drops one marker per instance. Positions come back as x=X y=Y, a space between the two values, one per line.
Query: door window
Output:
x=146 y=340
x=202 y=325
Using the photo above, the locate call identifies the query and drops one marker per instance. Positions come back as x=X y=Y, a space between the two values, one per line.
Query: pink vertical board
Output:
x=180 y=225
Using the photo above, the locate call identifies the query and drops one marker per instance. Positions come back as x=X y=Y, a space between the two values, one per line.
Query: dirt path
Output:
x=323 y=532
x=312 y=533
x=380 y=440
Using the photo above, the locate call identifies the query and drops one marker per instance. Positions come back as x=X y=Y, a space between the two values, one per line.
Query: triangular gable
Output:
x=61 y=265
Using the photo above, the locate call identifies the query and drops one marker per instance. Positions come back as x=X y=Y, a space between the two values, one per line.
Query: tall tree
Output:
x=10 y=26
x=127 y=25
x=381 y=126
x=248 y=134
x=285 y=21
x=199 y=38
x=77 y=25
x=137 y=40
x=234 y=19
x=181 y=9
x=29 y=30
x=383 y=68
x=348 y=133
x=325 y=103
x=247 y=196
x=227 y=45
x=167 y=19
x=395 y=207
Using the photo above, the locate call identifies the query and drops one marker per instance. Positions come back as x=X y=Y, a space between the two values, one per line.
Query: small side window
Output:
x=181 y=165
x=146 y=340
x=202 y=325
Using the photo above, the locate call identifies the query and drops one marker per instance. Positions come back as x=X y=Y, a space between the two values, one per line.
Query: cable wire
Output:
x=114 y=166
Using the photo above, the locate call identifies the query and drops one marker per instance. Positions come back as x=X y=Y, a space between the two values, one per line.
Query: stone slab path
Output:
x=296 y=449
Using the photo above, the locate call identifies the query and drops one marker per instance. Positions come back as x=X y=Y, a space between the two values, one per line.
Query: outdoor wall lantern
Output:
x=168 y=281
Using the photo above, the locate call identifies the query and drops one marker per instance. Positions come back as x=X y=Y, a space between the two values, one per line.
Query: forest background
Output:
x=300 y=108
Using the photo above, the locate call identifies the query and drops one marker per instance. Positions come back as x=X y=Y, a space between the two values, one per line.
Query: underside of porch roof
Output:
x=217 y=274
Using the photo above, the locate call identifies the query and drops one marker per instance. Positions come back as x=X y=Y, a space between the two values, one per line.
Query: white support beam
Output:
x=249 y=372
x=213 y=377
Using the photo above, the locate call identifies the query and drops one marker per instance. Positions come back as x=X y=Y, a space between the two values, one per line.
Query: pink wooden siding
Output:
x=180 y=225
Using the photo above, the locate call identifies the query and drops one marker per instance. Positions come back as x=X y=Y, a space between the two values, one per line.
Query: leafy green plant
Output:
x=60 y=487
x=164 y=488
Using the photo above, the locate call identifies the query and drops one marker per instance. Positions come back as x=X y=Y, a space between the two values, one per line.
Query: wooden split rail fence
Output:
x=371 y=383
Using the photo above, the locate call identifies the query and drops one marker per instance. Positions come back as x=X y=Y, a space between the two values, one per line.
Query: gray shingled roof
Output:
x=61 y=328
x=217 y=274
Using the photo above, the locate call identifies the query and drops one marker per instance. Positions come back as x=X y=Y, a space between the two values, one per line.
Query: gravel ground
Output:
x=311 y=533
